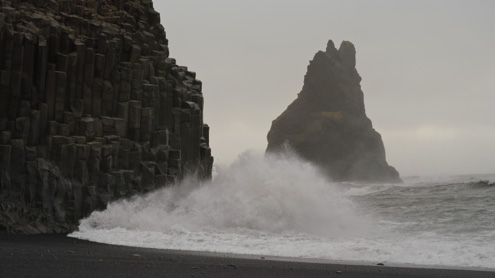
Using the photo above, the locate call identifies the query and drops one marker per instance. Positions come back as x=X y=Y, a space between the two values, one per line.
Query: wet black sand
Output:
x=60 y=256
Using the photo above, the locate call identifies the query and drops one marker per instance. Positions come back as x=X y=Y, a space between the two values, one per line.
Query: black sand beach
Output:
x=61 y=256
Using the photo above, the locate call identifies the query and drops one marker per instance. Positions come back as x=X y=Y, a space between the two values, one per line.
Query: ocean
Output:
x=282 y=206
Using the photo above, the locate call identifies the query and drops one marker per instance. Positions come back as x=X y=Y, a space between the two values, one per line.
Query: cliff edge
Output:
x=92 y=109
x=327 y=123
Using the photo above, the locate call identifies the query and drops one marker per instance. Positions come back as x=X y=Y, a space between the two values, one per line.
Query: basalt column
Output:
x=92 y=109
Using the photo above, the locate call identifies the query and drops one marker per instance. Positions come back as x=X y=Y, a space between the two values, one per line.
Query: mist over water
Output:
x=282 y=206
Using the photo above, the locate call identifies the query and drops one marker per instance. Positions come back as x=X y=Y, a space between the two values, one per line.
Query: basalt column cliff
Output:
x=92 y=109
x=327 y=123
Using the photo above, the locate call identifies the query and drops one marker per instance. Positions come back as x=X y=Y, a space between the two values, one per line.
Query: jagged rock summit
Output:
x=92 y=109
x=327 y=123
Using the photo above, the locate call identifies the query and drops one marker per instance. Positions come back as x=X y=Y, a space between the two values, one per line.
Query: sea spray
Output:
x=271 y=194
x=281 y=206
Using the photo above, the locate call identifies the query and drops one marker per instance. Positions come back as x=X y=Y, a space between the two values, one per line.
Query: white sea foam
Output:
x=425 y=249
x=282 y=206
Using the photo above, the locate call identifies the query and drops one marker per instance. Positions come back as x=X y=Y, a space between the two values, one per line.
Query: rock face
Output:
x=92 y=109
x=327 y=123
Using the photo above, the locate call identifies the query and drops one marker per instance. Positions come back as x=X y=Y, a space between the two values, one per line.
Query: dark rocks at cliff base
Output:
x=327 y=124
x=92 y=109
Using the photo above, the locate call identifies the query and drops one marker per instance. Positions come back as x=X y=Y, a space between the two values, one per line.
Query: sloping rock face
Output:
x=327 y=123
x=92 y=109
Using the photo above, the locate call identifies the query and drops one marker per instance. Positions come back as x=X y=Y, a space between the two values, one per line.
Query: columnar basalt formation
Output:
x=92 y=109
x=327 y=123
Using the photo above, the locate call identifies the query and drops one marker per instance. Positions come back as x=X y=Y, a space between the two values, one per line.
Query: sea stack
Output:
x=327 y=124
x=92 y=109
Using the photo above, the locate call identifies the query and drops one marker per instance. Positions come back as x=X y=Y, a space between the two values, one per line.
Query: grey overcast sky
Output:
x=428 y=70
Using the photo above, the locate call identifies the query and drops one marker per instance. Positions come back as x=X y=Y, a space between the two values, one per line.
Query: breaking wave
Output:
x=273 y=194
x=282 y=206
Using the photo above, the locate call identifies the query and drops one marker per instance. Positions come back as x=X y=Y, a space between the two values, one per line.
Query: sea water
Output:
x=282 y=206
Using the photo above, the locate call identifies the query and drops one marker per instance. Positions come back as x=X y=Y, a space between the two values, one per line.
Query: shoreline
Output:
x=302 y=259
x=62 y=256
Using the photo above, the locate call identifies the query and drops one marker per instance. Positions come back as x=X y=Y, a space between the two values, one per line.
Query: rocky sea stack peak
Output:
x=327 y=124
x=92 y=109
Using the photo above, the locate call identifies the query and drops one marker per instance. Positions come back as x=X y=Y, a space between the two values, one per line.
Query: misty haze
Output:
x=427 y=69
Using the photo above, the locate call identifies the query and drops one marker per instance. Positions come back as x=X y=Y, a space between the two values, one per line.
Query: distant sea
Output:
x=281 y=206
